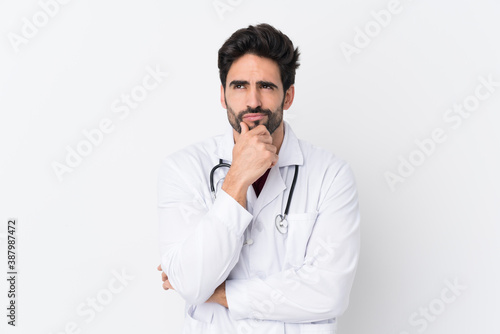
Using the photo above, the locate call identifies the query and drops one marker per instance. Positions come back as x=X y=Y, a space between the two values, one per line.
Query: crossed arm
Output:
x=316 y=290
x=219 y=295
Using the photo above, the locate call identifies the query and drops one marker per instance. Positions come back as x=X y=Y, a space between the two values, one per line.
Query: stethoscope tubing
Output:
x=295 y=174
x=282 y=227
x=221 y=164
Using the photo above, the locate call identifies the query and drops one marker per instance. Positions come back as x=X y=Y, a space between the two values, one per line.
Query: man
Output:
x=275 y=249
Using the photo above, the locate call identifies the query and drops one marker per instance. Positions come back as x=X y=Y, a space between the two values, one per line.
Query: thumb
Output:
x=244 y=127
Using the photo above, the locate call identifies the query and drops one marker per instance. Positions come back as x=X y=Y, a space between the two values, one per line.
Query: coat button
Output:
x=249 y=242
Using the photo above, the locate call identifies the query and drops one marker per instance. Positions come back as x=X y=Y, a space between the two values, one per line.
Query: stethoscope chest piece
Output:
x=281 y=224
x=280 y=221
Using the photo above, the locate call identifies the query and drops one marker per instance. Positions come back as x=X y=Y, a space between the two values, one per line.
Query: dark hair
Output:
x=265 y=41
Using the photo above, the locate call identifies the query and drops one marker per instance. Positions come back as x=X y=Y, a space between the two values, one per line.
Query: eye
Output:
x=267 y=86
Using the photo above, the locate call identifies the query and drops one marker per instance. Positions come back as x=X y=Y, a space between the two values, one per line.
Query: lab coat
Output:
x=297 y=282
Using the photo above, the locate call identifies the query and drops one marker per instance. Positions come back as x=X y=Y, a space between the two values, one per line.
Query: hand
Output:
x=166 y=284
x=253 y=154
x=219 y=295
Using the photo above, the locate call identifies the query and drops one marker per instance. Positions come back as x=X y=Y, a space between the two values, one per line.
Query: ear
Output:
x=222 y=99
x=290 y=93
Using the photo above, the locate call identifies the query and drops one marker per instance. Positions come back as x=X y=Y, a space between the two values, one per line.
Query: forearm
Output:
x=219 y=296
x=198 y=264
x=235 y=188
x=307 y=295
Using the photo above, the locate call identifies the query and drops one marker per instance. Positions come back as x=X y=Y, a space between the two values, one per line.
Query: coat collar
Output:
x=290 y=152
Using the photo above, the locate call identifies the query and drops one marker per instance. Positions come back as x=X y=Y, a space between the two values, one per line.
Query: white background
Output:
x=440 y=224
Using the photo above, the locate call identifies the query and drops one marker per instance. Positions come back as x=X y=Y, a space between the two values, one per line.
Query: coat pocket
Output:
x=198 y=319
x=300 y=226
x=325 y=328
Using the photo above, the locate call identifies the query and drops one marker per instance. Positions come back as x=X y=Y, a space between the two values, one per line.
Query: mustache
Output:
x=259 y=110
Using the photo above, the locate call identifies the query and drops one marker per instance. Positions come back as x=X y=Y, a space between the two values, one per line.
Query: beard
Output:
x=274 y=119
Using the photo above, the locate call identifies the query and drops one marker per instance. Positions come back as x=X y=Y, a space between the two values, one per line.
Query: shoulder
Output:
x=327 y=175
x=319 y=159
x=327 y=172
x=191 y=157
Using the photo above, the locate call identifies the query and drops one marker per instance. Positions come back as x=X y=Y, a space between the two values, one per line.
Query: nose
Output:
x=253 y=98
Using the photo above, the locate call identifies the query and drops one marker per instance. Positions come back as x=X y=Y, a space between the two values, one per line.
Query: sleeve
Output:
x=319 y=288
x=199 y=246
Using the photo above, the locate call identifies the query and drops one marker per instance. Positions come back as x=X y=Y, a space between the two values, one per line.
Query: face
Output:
x=254 y=93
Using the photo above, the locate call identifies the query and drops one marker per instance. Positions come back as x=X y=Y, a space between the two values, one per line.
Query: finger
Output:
x=167 y=285
x=159 y=267
x=271 y=148
x=265 y=138
x=164 y=277
x=244 y=128
x=260 y=130
x=275 y=160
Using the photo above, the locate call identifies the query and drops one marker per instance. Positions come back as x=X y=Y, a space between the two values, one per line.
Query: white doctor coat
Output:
x=297 y=282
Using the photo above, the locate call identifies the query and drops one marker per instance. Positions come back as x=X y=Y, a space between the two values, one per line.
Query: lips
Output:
x=253 y=116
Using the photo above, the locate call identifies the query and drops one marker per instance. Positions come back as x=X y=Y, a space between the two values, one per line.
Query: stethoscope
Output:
x=280 y=220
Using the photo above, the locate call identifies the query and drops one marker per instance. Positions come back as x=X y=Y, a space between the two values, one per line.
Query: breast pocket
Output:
x=300 y=226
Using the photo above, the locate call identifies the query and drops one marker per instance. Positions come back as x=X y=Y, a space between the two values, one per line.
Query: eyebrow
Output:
x=267 y=83
x=238 y=82
x=244 y=82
